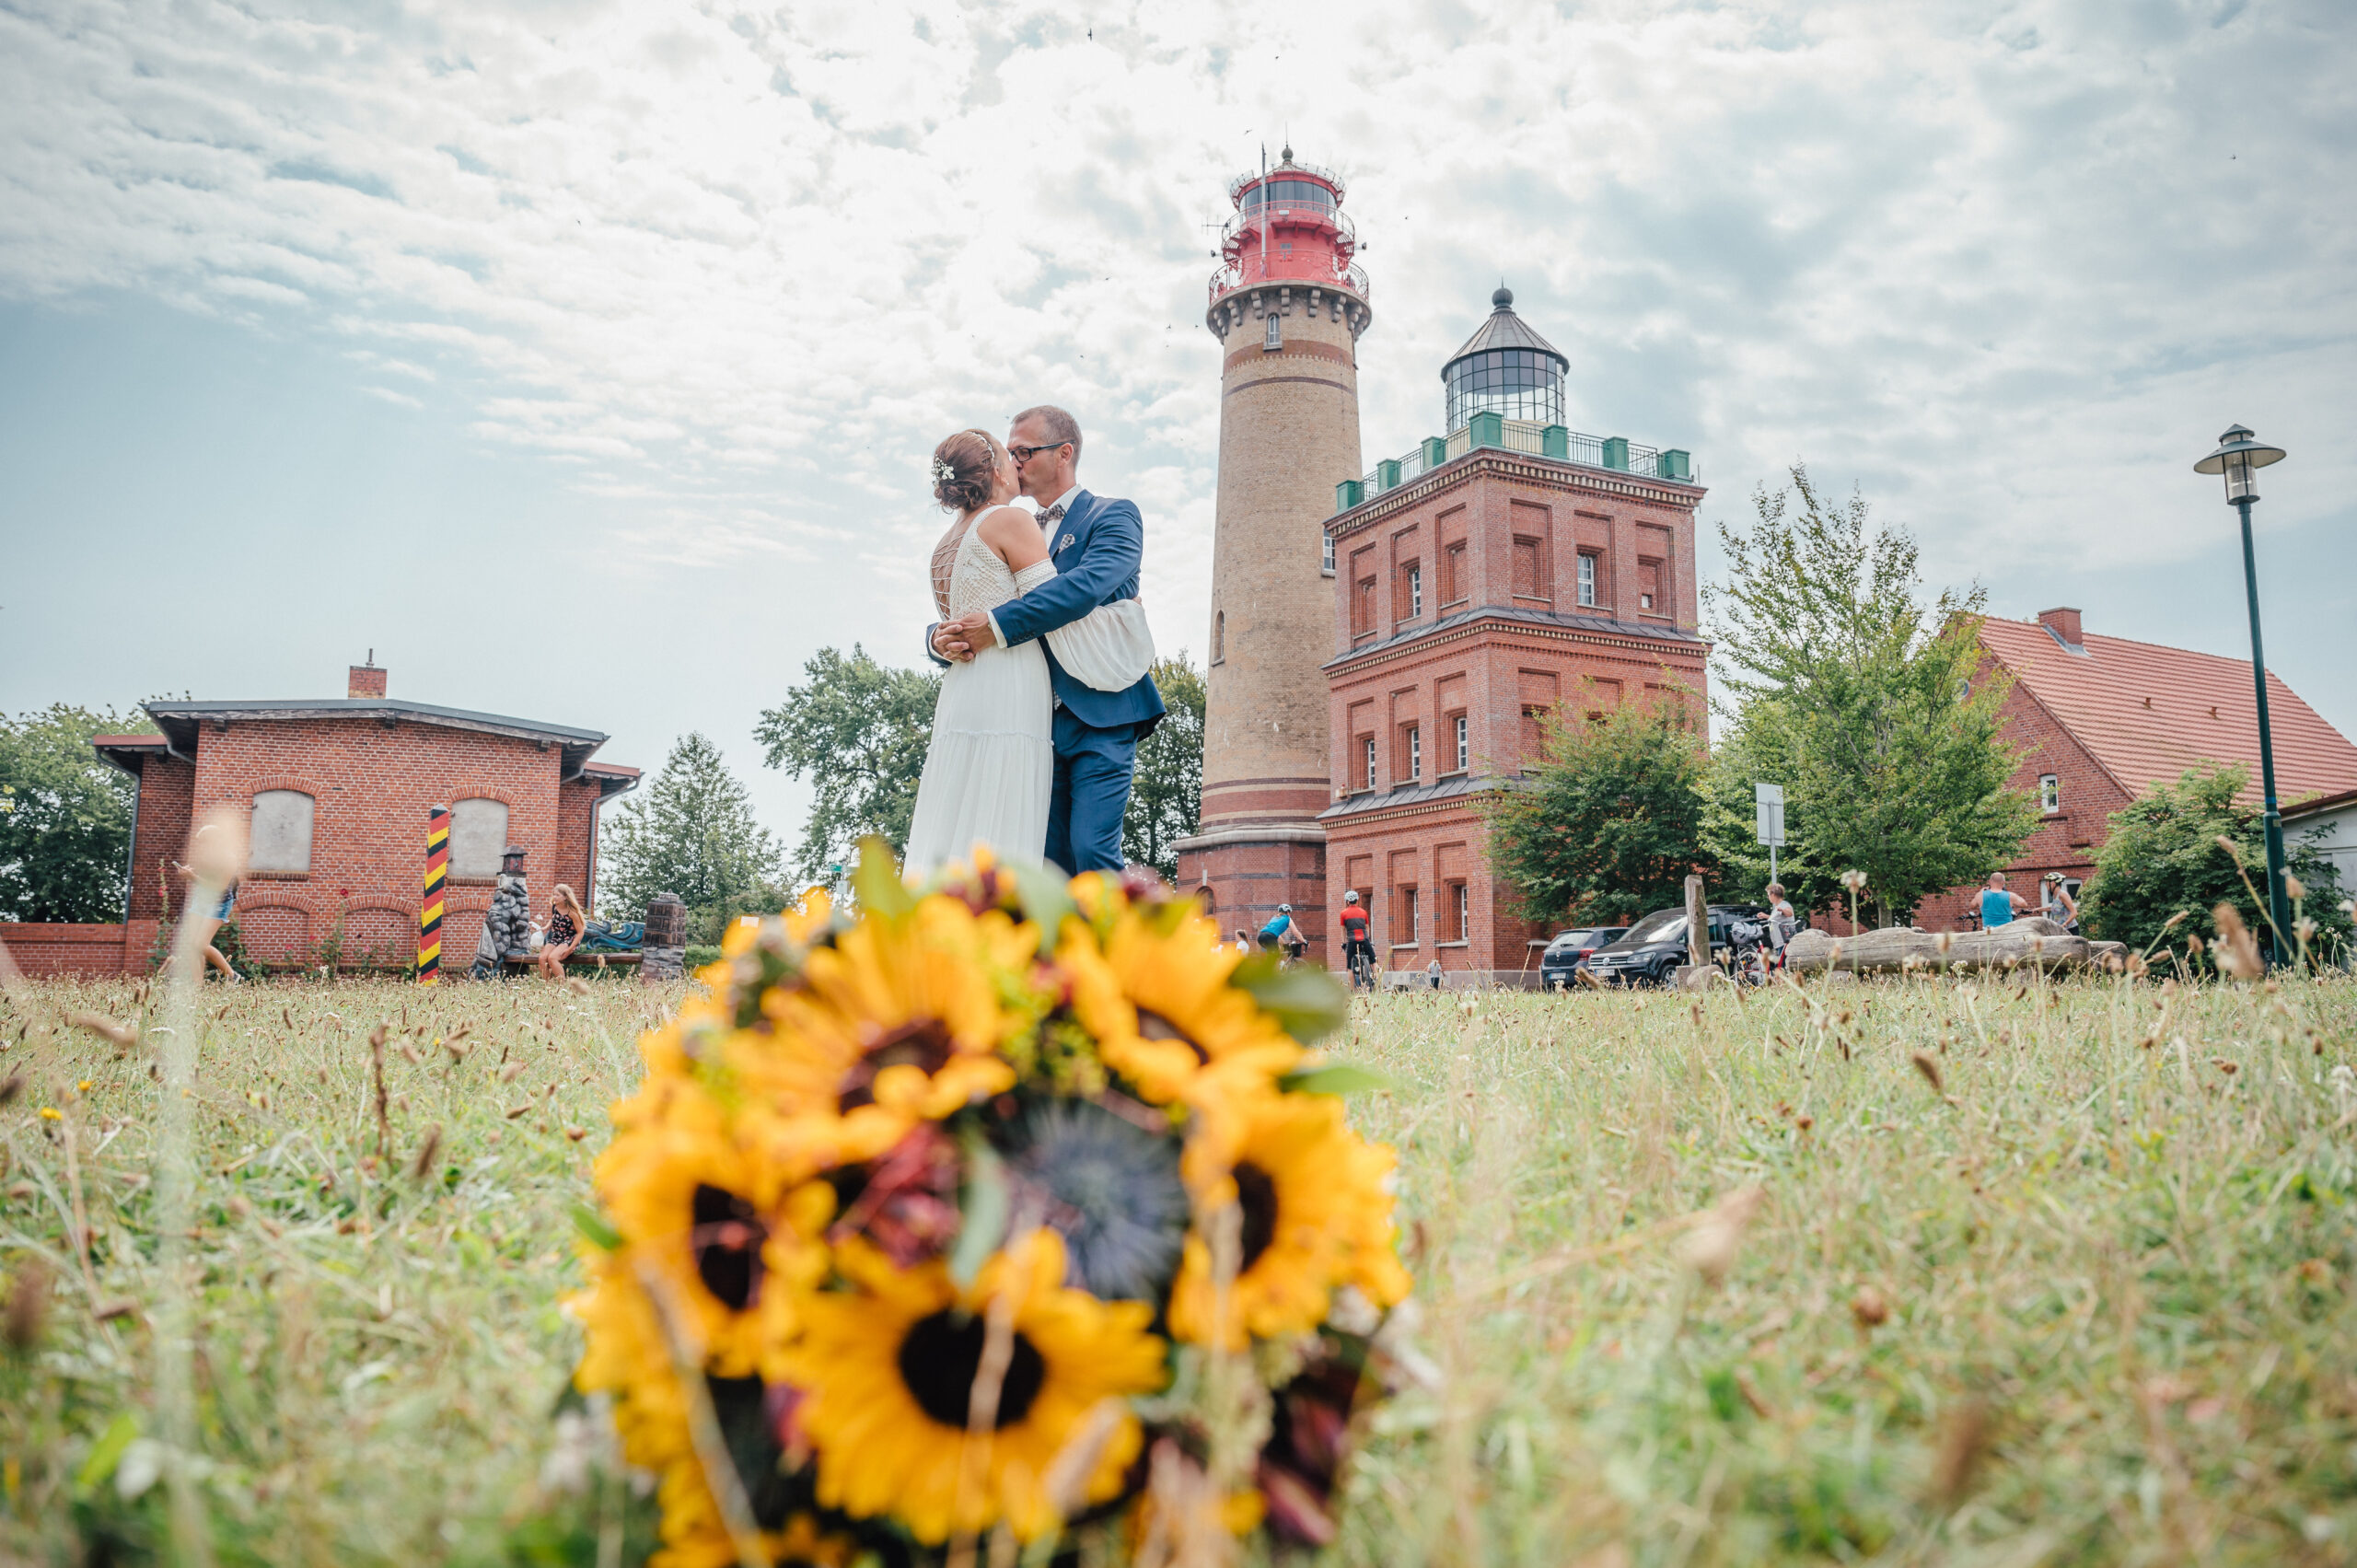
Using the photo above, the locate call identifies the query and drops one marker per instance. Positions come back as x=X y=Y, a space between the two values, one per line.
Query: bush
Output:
x=699 y=954
x=2163 y=859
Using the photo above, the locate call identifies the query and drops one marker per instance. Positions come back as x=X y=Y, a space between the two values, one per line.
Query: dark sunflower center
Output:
x=1257 y=1196
x=1153 y=1026
x=924 y=1043
x=728 y=1242
x=940 y=1357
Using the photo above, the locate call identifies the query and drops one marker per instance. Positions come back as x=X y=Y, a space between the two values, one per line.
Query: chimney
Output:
x=2063 y=623
x=367 y=681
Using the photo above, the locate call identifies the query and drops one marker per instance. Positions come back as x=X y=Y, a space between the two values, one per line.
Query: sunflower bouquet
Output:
x=1014 y=1218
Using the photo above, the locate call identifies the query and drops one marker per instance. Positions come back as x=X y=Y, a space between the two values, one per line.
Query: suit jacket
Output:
x=1099 y=547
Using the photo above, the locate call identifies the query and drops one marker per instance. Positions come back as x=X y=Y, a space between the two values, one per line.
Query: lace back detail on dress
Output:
x=945 y=564
x=977 y=579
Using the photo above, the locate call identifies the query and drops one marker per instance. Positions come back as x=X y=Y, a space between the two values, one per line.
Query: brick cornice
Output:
x=1310 y=347
x=1549 y=472
x=1340 y=828
x=1498 y=627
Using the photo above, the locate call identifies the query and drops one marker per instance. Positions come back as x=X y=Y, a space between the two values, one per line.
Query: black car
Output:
x=1564 y=954
x=1649 y=952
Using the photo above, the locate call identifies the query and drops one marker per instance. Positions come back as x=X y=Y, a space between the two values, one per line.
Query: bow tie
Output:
x=1051 y=517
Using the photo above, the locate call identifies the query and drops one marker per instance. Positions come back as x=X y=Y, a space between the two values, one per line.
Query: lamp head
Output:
x=2239 y=456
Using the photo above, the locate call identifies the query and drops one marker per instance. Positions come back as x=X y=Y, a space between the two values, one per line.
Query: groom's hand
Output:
x=972 y=631
x=950 y=643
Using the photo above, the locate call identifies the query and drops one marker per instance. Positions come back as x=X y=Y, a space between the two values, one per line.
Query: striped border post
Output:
x=429 y=908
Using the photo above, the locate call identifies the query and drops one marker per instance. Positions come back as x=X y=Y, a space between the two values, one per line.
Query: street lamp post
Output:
x=2239 y=456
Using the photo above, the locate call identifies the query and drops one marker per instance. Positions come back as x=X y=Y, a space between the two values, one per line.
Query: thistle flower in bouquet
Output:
x=992 y=1210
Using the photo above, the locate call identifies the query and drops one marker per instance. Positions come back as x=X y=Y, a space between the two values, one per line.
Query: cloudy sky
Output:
x=581 y=360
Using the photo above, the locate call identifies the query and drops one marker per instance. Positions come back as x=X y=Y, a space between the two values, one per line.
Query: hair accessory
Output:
x=942 y=471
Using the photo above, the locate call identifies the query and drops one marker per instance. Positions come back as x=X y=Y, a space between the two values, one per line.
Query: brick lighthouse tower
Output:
x=1287 y=307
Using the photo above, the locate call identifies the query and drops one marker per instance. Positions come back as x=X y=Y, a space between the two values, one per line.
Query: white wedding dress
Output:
x=991 y=766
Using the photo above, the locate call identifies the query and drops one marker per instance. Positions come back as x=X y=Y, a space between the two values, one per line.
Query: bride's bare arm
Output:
x=1012 y=535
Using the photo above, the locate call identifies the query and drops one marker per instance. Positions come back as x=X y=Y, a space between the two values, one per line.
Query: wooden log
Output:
x=1698 y=924
x=2031 y=940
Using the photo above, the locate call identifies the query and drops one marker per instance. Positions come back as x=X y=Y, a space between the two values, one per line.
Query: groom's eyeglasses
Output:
x=1022 y=455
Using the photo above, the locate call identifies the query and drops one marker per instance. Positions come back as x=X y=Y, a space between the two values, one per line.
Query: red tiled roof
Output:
x=2146 y=714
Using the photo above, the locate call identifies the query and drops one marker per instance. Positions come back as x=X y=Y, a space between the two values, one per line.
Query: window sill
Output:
x=1452 y=943
x=251 y=875
x=490 y=881
x=1405 y=946
x=1461 y=599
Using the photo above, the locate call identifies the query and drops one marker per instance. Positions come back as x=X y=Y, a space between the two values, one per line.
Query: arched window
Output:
x=478 y=833
x=282 y=832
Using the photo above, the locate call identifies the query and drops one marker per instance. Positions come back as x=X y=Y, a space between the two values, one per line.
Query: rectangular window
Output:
x=1526 y=569
x=1461 y=914
x=1325 y=556
x=1416 y=753
x=1587 y=580
x=1415 y=593
x=1363 y=608
x=1452 y=574
x=1649 y=585
x=1464 y=744
x=2049 y=793
x=1367 y=744
x=1407 y=917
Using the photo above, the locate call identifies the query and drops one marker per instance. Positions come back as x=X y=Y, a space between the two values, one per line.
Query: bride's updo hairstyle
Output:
x=964 y=468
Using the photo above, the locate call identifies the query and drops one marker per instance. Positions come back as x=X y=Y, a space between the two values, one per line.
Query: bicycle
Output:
x=1362 y=966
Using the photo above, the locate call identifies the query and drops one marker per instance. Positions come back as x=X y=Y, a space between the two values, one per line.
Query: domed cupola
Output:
x=1506 y=368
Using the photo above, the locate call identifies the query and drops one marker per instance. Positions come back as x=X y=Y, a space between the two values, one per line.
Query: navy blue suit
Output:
x=1098 y=547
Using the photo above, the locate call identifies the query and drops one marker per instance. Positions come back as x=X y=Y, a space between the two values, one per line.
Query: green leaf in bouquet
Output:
x=878 y=880
x=1046 y=902
x=1309 y=1003
x=1334 y=1078
x=592 y=1224
x=983 y=1223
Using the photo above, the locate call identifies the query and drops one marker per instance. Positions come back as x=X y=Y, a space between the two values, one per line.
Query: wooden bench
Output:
x=578 y=961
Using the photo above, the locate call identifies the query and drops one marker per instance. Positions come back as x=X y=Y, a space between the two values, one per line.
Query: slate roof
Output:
x=2146 y=713
x=178 y=721
x=1409 y=795
x=1504 y=330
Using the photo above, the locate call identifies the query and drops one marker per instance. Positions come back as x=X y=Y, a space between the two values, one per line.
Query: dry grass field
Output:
x=2033 y=1274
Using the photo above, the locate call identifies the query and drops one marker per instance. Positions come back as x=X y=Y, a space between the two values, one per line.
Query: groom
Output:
x=1098 y=545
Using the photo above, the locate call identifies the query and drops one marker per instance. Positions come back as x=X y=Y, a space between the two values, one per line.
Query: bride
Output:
x=991 y=767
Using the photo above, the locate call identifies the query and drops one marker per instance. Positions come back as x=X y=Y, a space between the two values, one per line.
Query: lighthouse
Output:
x=1287 y=306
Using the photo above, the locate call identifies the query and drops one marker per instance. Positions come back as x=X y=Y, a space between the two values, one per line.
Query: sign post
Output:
x=429 y=908
x=1768 y=800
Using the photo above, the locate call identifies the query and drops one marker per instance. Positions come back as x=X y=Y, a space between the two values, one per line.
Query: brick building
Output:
x=1481 y=582
x=335 y=792
x=2100 y=720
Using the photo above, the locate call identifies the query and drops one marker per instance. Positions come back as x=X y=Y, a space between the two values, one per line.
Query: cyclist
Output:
x=1282 y=931
x=1358 y=953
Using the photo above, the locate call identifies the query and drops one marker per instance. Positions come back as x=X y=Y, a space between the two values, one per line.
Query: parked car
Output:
x=1565 y=953
x=1649 y=952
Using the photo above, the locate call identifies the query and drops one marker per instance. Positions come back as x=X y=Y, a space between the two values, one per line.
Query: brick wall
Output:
x=370 y=785
x=2066 y=838
x=167 y=785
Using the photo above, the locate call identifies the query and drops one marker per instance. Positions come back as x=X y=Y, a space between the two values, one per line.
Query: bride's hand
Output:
x=972 y=630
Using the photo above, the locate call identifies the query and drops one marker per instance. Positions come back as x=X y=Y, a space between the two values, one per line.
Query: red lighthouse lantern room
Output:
x=1289 y=234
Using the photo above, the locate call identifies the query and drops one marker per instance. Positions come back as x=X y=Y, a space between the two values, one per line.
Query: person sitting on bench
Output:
x=568 y=923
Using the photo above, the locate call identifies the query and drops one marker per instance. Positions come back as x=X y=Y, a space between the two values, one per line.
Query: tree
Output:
x=2163 y=859
x=1166 y=792
x=64 y=816
x=1876 y=711
x=1608 y=822
x=691 y=834
x=857 y=729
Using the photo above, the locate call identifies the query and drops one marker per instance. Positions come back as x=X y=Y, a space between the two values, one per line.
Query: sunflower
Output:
x=890 y=1368
x=714 y=1216
x=1314 y=1213
x=1150 y=984
x=901 y=1018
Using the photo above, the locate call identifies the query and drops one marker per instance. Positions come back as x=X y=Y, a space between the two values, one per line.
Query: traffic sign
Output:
x=1769 y=800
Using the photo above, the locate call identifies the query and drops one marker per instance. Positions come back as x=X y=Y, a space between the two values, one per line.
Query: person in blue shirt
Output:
x=1283 y=930
x=1998 y=907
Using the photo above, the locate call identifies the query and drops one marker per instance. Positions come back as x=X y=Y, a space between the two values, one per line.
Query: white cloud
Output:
x=2008 y=266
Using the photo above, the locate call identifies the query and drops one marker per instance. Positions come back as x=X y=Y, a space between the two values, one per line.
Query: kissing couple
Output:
x=1047 y=689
